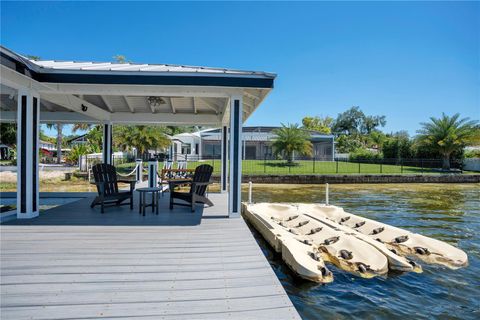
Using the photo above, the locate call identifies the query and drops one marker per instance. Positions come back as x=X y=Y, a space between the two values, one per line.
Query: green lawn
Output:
x=305 y=167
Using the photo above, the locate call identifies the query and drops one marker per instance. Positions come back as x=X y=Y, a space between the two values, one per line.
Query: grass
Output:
x=306 y=167
x=310 y=167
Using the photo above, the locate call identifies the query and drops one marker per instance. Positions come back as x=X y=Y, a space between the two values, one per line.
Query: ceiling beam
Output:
x=109 y=107
x=146 y=90
x=194 y=106
x=174 y=110
x=76 y=104
x=52 y=117
x=251 y=96
x=210 y=104
x=129 y=105
x=166 y=118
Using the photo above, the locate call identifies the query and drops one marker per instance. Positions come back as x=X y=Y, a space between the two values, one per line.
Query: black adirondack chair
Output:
x=198 y=188
x=105 y=176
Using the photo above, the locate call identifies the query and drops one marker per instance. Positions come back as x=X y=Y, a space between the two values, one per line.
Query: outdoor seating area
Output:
x=73 y=260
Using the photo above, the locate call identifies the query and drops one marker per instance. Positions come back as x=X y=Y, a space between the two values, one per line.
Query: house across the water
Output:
x=256 y=144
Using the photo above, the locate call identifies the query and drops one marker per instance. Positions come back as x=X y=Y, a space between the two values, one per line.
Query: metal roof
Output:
x=123 y=92
x=47 y=66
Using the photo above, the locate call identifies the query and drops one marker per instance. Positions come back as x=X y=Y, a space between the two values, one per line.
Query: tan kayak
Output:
x=299 y=256
x=399 y=241
x=332 y=245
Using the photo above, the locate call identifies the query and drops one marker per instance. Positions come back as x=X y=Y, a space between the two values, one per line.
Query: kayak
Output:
x=299 y=256
x=397 y=240
x=325 y=242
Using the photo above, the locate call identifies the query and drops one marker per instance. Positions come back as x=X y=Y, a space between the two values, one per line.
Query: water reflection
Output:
x=448 y=212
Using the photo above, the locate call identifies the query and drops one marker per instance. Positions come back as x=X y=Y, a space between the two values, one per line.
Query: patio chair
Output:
x=105 y=176
x=198 y=188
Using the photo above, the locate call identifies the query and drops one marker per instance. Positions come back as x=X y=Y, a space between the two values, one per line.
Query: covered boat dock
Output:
x=71 y=261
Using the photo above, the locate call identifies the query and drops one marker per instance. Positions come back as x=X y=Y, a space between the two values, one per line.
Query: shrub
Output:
x=472 y=154
x=364 y=154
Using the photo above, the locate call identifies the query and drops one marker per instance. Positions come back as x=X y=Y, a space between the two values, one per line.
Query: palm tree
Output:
x=291 y=138
x=59 y=128
x=446 y=135
x=143 y=138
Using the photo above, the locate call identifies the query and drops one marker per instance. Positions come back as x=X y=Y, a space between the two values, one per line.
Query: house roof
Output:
x=267 y=129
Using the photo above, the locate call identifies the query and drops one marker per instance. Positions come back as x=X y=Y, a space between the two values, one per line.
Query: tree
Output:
x=320 y=124
x=143 y=138
x=59 y=128
x=291 y=138
x=447 y=135
x=354 y=121
x=8 y=133
x=347 y=144
x=349 y=122
x=398 y=146
x=81 y=126
x=370 y=123
x=120 y=58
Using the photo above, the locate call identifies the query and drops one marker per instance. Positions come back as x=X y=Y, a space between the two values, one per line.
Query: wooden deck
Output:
x=72 y=262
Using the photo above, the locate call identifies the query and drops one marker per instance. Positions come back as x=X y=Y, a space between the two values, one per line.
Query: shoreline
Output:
x=359 y=178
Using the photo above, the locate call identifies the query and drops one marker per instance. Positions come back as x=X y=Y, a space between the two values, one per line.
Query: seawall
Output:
x=359 y=178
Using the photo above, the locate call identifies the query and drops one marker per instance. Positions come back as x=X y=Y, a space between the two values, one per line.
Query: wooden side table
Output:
x=143 y=202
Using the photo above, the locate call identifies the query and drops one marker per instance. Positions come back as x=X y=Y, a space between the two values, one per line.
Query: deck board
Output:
x=72 y=262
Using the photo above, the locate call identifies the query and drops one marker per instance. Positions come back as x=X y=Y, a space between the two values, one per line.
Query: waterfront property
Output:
x=74 y=262
x=256 y=144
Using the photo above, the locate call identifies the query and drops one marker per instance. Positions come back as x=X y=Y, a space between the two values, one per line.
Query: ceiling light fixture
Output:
x=155 y=102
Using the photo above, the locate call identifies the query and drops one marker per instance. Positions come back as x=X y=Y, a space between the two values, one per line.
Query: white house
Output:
x=256 y=144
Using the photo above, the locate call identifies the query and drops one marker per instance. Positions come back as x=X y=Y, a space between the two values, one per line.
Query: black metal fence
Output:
x=312 y=166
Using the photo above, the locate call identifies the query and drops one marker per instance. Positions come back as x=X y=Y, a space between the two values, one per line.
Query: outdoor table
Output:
x=143 y=202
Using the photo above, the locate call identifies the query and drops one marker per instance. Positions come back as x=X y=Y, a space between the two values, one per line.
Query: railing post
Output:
x=421 y=164
x=313 y=164
x=381 y=166
x=337 y=165
x=250 y=186
x=139 y=173
x=265 y=163
x=358 y=166
x=401 y=166
x=152 y=173
x=327 y=195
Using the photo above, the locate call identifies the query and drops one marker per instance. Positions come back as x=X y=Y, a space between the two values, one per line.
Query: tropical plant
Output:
x=76 y=152
x=447 y=135
x=290 y=139
x=59 y=128
x=143 y=138
x=320 y=124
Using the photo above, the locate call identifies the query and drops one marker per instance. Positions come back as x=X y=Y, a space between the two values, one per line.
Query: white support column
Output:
x=236 y=120
x=152 y=173
x=224 y=159
x=27 y=154
x=139 y=173
x=107 y=143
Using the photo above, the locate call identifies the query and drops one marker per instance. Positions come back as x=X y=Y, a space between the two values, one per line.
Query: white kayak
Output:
x=399 y=241
x=324 y=242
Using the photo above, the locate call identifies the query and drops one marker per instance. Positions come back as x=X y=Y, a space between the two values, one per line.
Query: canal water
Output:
x=448 y=212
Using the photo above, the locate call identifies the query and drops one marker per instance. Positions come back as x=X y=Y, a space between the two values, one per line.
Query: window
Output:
x=186 y=148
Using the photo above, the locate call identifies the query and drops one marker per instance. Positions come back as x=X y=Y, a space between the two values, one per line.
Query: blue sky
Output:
x=405 y=60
